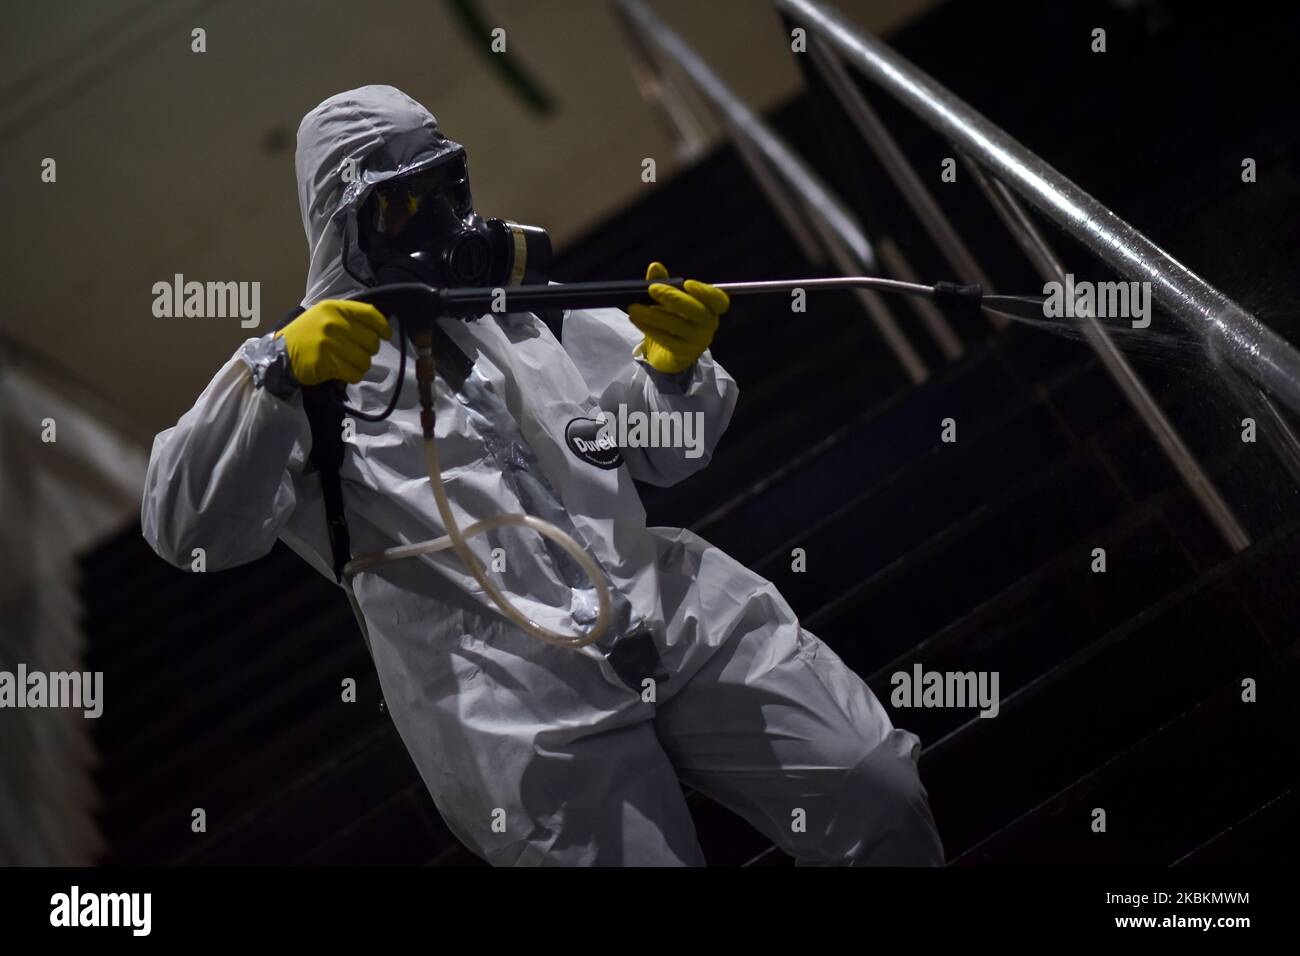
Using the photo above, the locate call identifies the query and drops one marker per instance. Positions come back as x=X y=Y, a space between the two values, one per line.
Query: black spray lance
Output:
x=418 y=306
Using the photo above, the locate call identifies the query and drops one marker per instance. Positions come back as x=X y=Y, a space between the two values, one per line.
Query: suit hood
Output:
x=346 y=145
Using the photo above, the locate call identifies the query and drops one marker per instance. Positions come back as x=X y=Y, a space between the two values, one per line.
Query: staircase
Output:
x=1119 y=690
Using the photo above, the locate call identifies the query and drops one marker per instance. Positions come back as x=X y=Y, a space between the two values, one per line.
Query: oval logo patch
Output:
x=584 y=438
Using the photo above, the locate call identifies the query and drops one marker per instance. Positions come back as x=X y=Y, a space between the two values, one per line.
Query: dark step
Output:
x=793 y=408
x=313 y=721
x=907 y=582
x=324 y=798
x=403 y=830
x=1269 y=836
x=270 y=646
x=765 y=510
x=930 y=583
x=1005 y=632
x=1176 y=788
x=901 y=439
x=1083 y=711
x=299 y=648
x=181 y=604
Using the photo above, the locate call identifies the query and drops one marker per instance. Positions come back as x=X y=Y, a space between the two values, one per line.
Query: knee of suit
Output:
x=883 y=812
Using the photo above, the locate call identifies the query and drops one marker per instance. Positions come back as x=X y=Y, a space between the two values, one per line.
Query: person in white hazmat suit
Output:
x=704 y=675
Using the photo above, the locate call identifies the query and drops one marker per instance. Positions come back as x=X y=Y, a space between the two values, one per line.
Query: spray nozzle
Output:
x=957 y=295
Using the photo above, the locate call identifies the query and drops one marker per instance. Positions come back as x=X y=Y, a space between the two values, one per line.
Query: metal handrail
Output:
x=1049 y=266
x=900 y=171
x=998 y=162
x=1228 y=329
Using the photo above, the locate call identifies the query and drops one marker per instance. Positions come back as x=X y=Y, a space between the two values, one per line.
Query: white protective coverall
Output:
x=747 y=707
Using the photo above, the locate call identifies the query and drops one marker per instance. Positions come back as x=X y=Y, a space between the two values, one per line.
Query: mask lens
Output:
x=424 y=204
x=458 y=197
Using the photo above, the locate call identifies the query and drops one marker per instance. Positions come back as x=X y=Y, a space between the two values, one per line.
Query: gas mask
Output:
x=422 y=227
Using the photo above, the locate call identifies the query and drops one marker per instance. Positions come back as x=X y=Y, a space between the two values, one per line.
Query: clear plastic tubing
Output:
x=455 y=539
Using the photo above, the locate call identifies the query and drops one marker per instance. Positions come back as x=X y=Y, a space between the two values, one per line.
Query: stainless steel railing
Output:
x=1002 y=165
x=824 y=226
x=1265 y=357
x=1003 y=168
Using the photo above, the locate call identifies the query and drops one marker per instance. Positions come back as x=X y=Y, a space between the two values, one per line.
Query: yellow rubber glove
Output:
x=334 y=339
x=682 y=323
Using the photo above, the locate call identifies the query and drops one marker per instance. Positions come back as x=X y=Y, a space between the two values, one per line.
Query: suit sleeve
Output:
x=606 y=347
x=222 y=478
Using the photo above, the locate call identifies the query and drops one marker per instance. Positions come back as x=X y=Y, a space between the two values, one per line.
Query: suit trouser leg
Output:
x=777 y=728
x=537 y=755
